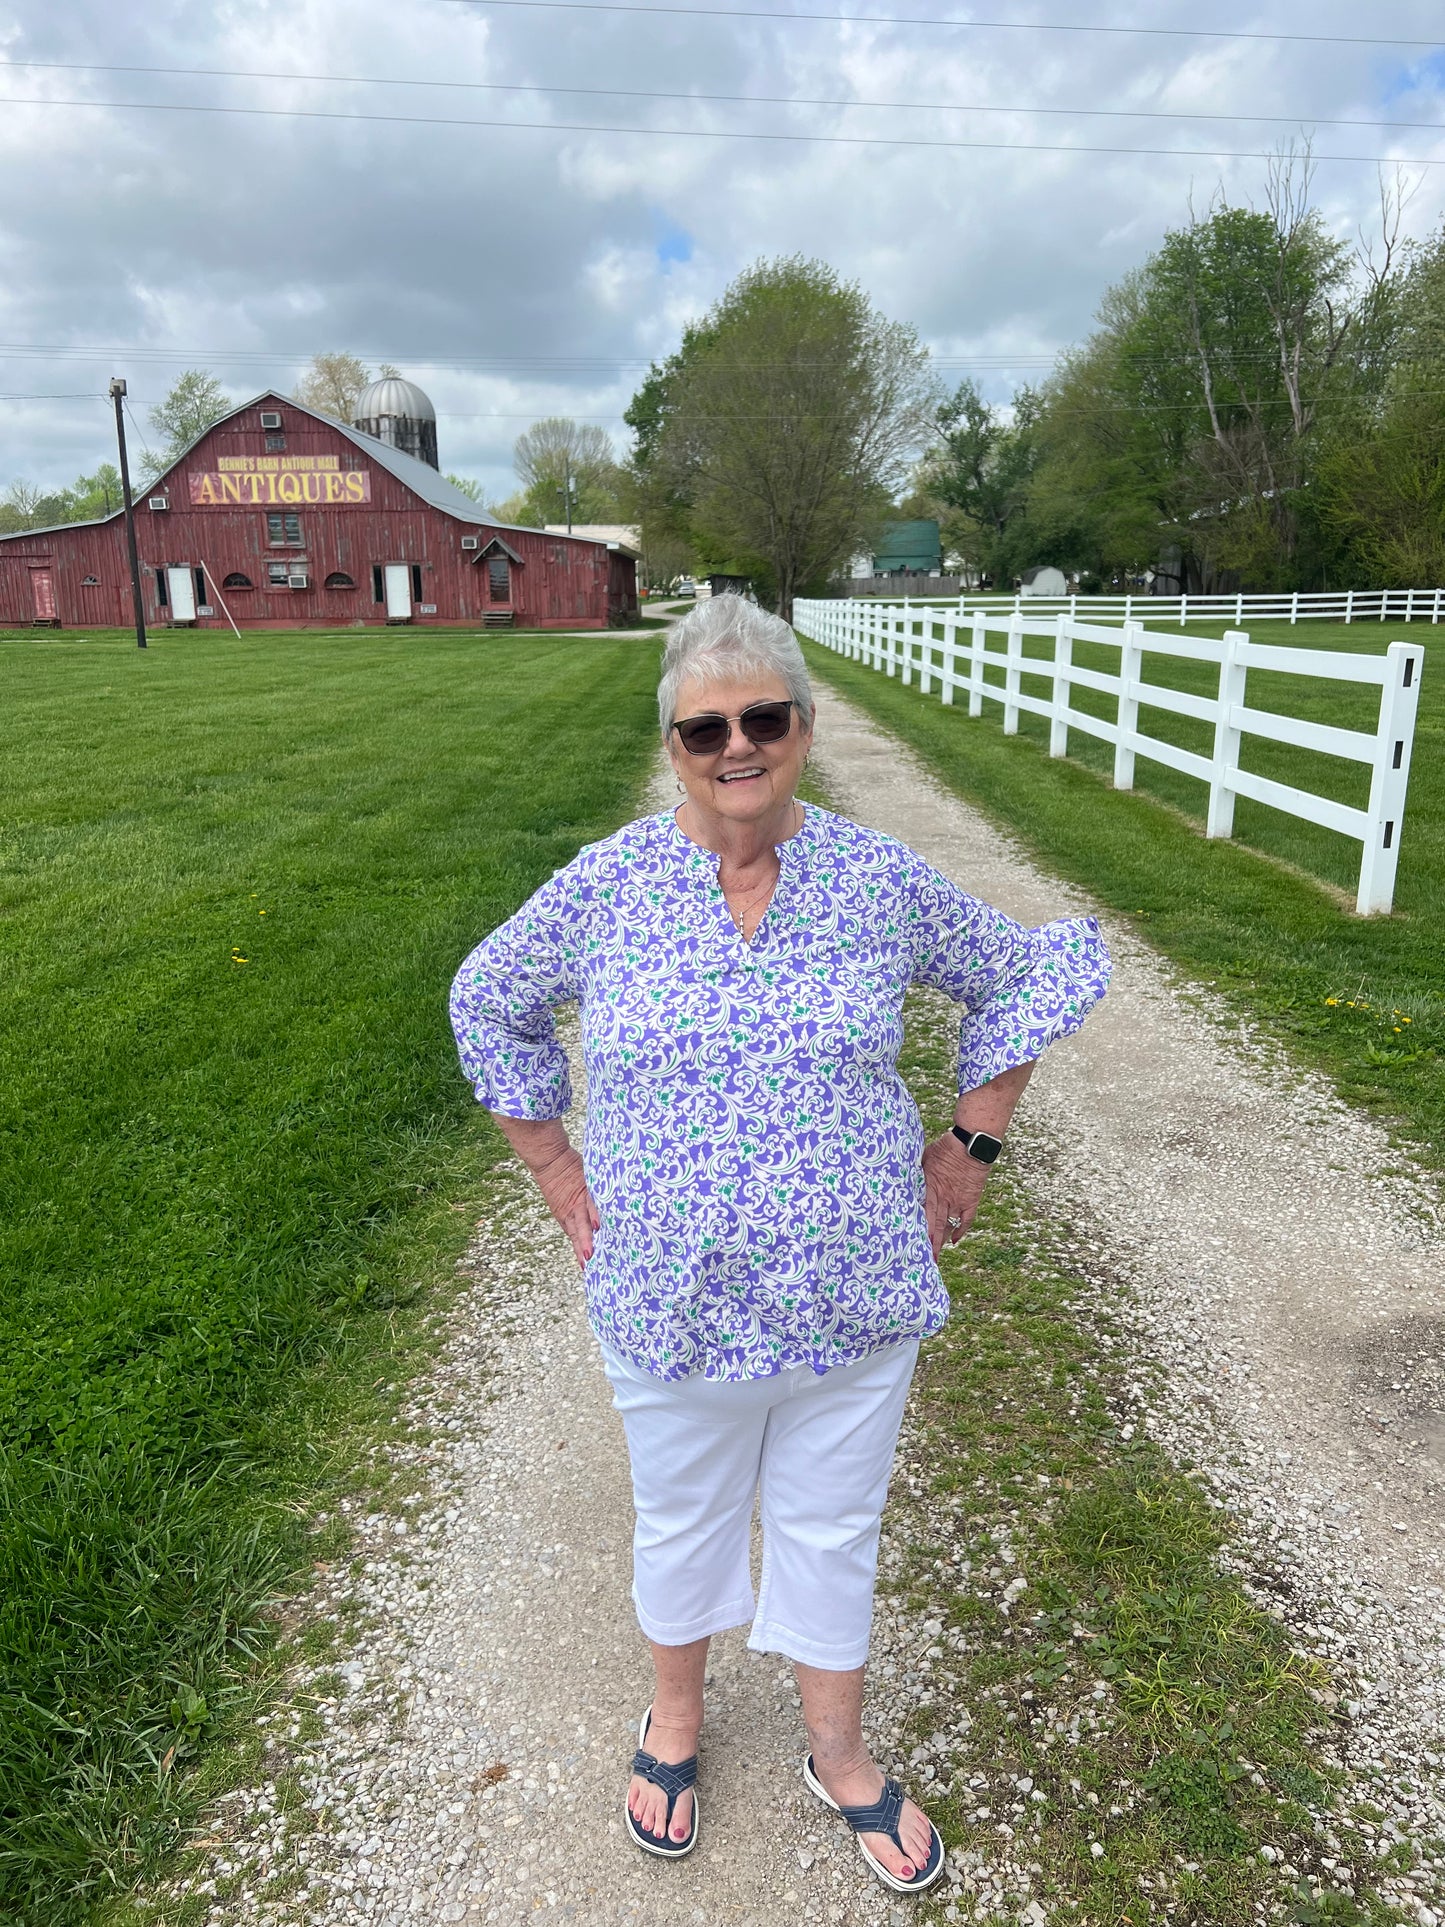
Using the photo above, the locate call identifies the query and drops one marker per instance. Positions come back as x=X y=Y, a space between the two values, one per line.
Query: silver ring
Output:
x=954 y=1223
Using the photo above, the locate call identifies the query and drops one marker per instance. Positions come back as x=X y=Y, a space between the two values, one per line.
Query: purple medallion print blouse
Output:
x=752 y=1150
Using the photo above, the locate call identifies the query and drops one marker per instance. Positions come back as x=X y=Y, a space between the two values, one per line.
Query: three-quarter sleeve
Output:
x=1021 y=989
x=502 y=1002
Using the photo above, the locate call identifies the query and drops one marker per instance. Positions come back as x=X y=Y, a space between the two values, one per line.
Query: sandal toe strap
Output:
x=672 y=1780
x=882 y=1816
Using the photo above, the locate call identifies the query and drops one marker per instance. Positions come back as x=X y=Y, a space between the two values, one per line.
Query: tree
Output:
x=468 y=486
x=195 y=402
x=559 y=457
x=975 y=478
x=332 y=385
x=1197 y=415
x=1380 y=490
x=782 y=428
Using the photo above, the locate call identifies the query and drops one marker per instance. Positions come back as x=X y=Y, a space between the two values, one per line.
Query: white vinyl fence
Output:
x=942 y=647
x=1335 y=605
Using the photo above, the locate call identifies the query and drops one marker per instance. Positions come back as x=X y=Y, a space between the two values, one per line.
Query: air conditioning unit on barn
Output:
x=160 y=501
x=270 y=418
x=298 y=580
x=471 y=541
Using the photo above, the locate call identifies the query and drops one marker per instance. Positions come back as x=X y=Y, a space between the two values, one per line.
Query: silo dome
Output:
x=396 y=412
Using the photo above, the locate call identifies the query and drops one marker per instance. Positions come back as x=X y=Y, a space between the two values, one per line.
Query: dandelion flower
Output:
x=1332 y=1000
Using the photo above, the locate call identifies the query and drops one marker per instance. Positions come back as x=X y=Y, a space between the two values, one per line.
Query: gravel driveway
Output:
x=471 y=1753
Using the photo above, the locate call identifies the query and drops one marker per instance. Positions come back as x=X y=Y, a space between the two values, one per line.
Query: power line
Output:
x=708 y=133
x=910 y=20
x=736 y=100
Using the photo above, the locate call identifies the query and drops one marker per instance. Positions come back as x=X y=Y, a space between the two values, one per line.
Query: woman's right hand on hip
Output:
x=563 y=1184
x=544 y=1147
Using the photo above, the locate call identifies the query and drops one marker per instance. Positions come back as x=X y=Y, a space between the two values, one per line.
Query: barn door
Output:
x=398 y=592
x=42 y=595
x=181 y=587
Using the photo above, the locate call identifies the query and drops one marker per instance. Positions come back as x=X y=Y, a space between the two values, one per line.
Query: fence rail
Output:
x=1342 y=605
x=952 y=649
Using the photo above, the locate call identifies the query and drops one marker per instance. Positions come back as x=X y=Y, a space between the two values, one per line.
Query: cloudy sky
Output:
x=535 y=258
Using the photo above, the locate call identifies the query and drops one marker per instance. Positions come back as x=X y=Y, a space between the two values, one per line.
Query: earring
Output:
x=680 y=790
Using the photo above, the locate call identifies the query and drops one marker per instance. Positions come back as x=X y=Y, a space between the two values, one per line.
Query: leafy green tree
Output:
x=194 y=404
x=976 y=477
x=468 y=486
x=781 y=429
x=1381 y=489
x=1197 y=414
x=333 y=385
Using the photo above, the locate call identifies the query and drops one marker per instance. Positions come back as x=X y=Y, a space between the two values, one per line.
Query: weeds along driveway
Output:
x=1273 y=1275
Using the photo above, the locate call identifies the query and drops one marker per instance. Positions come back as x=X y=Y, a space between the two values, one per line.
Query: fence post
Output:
x=1225 y=761
x=950 y=656
x=1128 y=604
x=1399 y=699
x=925 y=655
x=1239 y=608
x=1409 y=604
x=1183 y=610
x=1294 y=607
x=1435 y=616
x=1349 y=605
x=1063 y=662
x=1013 y=673
x=978 y=649
x=1131 y=664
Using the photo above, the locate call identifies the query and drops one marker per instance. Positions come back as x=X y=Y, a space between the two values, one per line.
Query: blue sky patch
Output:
x=673 y=243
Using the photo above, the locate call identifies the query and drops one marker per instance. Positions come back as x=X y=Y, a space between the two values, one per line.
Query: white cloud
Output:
x=519 y=272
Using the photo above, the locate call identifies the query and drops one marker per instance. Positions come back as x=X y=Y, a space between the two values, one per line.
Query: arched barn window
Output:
x=339 y=579
x=238 y=582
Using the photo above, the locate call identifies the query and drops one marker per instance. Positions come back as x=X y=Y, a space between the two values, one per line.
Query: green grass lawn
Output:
x=1266 y=918
x=235 y=880
x=1163 y=1725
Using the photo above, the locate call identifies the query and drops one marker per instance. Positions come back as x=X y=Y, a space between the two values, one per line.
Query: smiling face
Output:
x=745 y=782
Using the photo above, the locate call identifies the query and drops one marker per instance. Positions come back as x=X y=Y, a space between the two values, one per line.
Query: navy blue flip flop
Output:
x=671 y=1780
x=882 y=1817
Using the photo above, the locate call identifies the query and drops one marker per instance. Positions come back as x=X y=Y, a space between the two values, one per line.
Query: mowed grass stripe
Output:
x=235 y=880
x=1361 y=998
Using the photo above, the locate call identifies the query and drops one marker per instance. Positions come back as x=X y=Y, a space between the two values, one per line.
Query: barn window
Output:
x=275 y=442
x=499 y=575
x=339 y=579
x=238 y=581
x=378 y=583
x=90 y=582
x=278 y=572
x=283 y=529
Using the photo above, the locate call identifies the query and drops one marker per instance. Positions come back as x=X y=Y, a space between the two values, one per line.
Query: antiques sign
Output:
x=280 y=481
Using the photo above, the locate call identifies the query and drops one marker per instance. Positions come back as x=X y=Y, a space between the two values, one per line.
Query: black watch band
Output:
x=979 y=1144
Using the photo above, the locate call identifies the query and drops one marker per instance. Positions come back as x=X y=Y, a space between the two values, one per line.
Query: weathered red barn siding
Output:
x=556 y=581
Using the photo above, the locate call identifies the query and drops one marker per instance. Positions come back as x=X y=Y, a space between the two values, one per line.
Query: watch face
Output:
x=983 y=1147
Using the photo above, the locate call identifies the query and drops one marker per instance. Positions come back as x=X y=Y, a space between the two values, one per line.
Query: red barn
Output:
x=282 y=518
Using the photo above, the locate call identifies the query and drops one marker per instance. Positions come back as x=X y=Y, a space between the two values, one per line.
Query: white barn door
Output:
x=181 y=587
x=398 y=592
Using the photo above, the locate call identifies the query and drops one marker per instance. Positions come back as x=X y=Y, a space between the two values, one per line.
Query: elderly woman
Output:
x=757 y=1215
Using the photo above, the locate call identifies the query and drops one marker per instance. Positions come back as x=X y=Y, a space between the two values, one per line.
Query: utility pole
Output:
x=569 y=484
x=117 y=395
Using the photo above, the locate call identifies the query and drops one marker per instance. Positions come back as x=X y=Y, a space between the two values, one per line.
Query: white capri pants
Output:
x=818 y=1448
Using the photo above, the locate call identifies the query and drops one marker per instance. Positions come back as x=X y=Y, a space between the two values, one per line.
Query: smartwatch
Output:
x=979 y=1144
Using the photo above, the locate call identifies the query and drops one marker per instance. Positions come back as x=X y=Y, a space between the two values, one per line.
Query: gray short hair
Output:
x=728 y=638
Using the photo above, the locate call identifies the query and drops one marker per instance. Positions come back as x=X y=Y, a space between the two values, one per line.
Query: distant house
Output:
x=1046 y=581
x=909 y=548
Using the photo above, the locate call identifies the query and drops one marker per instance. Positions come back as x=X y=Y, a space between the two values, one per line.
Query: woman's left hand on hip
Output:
x=952 y=1186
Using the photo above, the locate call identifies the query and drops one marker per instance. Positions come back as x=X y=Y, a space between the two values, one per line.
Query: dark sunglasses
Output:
x=760 y=723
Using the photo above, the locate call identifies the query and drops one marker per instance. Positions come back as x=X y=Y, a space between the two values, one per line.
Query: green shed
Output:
x=914 y=546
